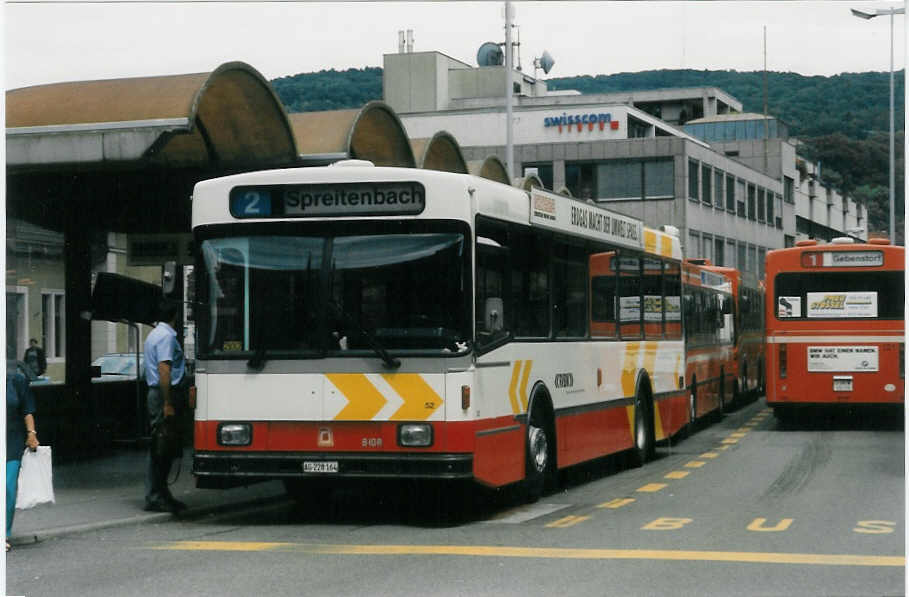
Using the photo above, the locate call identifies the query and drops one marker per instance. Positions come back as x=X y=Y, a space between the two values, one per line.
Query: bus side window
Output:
x=602 y=295
x=494 y=317
x=672 y=300
x=530 y=282
x=630 y=307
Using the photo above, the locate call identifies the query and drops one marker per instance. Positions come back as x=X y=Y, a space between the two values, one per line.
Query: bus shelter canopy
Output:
x=491 y=168
x=439 y=152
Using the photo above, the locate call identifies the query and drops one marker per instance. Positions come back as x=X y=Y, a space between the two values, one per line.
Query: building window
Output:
x=730 y=193
x=619 y=180
x=659 y=179
x=692 y=180
x=761 y=212
x=752 y=258
x=580 y=178
x=741 y=261
x=706 y=181
x=762 y=255
x=53 y=311
x=707 y=244
x=543 y=170
x=788 y=241
x=740 y=198
x=694 y=244
x=718 y=256
x=788 y=190
x=730 y=254
x=751 y=202
x=718 y=194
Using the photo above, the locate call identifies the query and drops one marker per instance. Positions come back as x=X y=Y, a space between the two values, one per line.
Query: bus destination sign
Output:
x=556 y=212
x=321 y=200
x=843 y=259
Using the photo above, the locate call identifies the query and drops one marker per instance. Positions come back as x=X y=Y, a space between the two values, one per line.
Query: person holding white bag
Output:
x=20 y=432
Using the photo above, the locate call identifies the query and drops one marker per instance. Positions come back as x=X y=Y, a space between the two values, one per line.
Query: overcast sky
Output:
x=66 y=41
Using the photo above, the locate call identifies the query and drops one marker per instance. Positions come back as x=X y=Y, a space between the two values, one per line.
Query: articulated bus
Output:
x=367 y=322
x=835 y=325
x=747 y=364
x=708 y=314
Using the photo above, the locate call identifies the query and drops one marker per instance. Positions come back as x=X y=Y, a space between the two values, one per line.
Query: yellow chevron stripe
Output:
x=364 y=401
x=650 y=241
x=666 y=245
x=630 y=368
x=515 y=407
x=524 y=397
x=420 y=400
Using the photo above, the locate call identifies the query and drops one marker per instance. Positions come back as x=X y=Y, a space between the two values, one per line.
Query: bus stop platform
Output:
x=109 y=490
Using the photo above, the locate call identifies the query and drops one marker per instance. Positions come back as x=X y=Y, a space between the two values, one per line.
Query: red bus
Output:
x=835 y=325
x=747 y=364
x=708 y=314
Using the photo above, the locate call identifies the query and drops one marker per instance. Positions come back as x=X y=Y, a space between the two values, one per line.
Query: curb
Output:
x=143 y=518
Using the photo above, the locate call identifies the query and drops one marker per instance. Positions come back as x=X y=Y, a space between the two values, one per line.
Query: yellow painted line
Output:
x=512 y=388
x=730 y=440
x=364 y=401
x=708 y=455
x=695 y=464
x=616 y=503
x=744 y=429
x=420 y=400
x=676 y=475
x=723 y=447
x=568 y=521
x=651 y=487
x=499 y=551
x=523 y=391
x=738 y=435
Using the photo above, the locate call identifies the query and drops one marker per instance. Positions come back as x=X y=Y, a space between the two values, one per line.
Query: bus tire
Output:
x=643 y=450
x=539 y=442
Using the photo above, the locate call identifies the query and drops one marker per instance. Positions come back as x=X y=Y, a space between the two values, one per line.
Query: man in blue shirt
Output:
x=164 y=371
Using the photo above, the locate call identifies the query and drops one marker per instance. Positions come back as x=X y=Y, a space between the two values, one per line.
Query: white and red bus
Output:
x=355 y=321
x=835 y=325
x=747 y=364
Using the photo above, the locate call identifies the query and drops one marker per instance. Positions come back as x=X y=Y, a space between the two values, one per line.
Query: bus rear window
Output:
x=840 y=295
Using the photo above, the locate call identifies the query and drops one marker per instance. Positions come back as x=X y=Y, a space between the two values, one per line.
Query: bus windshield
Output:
x=331 y=289
x=840 y=295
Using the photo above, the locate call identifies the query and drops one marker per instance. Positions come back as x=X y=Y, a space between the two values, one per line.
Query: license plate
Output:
x=842 y=384
x=320 y=467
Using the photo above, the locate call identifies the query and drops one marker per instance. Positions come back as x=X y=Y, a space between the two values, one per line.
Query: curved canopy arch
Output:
x=373 y=132
x=227 y=119
x=531 y=181
x=439 y=152
x=491 y=168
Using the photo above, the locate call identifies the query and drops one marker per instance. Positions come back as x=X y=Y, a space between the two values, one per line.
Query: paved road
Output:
x=741 y=507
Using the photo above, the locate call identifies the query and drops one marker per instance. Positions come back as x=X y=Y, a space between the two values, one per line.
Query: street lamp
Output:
x=870 y=15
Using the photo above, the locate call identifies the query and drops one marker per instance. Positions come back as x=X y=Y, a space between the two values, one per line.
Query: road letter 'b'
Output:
x=666 y=524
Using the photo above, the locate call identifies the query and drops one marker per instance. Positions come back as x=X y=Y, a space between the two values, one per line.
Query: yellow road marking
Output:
x=651 y=487
x=730 y=440
x=708 y=455
x=544 y=552
x=568 y=521
x=745 y=429
x=739 y=435
x=676 y=475
x=723 y=447
x=616 y=503
x=695 y=464
x=364 y=401
x=420 y=400
x=515 y=407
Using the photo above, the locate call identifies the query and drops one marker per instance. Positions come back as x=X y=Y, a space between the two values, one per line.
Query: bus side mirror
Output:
x=169 y=278
x=495 y=314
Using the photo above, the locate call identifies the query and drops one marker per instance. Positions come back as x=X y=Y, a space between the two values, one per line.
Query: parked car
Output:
x=119 y=366
x=28 y=372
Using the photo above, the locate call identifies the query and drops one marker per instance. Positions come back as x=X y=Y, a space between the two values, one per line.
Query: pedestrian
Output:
x=20 y=432
x=165 y=367
x=35 y=358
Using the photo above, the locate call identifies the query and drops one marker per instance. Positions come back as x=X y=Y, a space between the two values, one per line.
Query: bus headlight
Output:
x=415 y=435
x=235 y=434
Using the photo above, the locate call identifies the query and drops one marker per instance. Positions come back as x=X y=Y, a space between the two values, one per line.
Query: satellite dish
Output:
x=490 y=54
x=545 y=62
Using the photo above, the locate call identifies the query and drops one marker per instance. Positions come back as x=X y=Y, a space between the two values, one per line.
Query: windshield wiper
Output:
x=389 y=361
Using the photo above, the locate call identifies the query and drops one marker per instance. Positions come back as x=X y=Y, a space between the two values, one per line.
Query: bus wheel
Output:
x=643 y=430
x=539 y=448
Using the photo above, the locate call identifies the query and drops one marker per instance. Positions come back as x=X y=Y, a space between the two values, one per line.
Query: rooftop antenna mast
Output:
x=509 y=91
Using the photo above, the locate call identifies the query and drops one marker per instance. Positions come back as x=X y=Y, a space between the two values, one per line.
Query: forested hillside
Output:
x=843 y=119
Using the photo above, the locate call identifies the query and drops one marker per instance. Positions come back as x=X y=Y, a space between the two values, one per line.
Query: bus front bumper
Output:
x=224 y=469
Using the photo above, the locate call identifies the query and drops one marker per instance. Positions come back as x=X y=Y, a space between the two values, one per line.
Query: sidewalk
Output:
x=109 y=491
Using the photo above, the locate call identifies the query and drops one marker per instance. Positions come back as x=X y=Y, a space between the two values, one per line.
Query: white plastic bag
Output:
x=36 y=479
